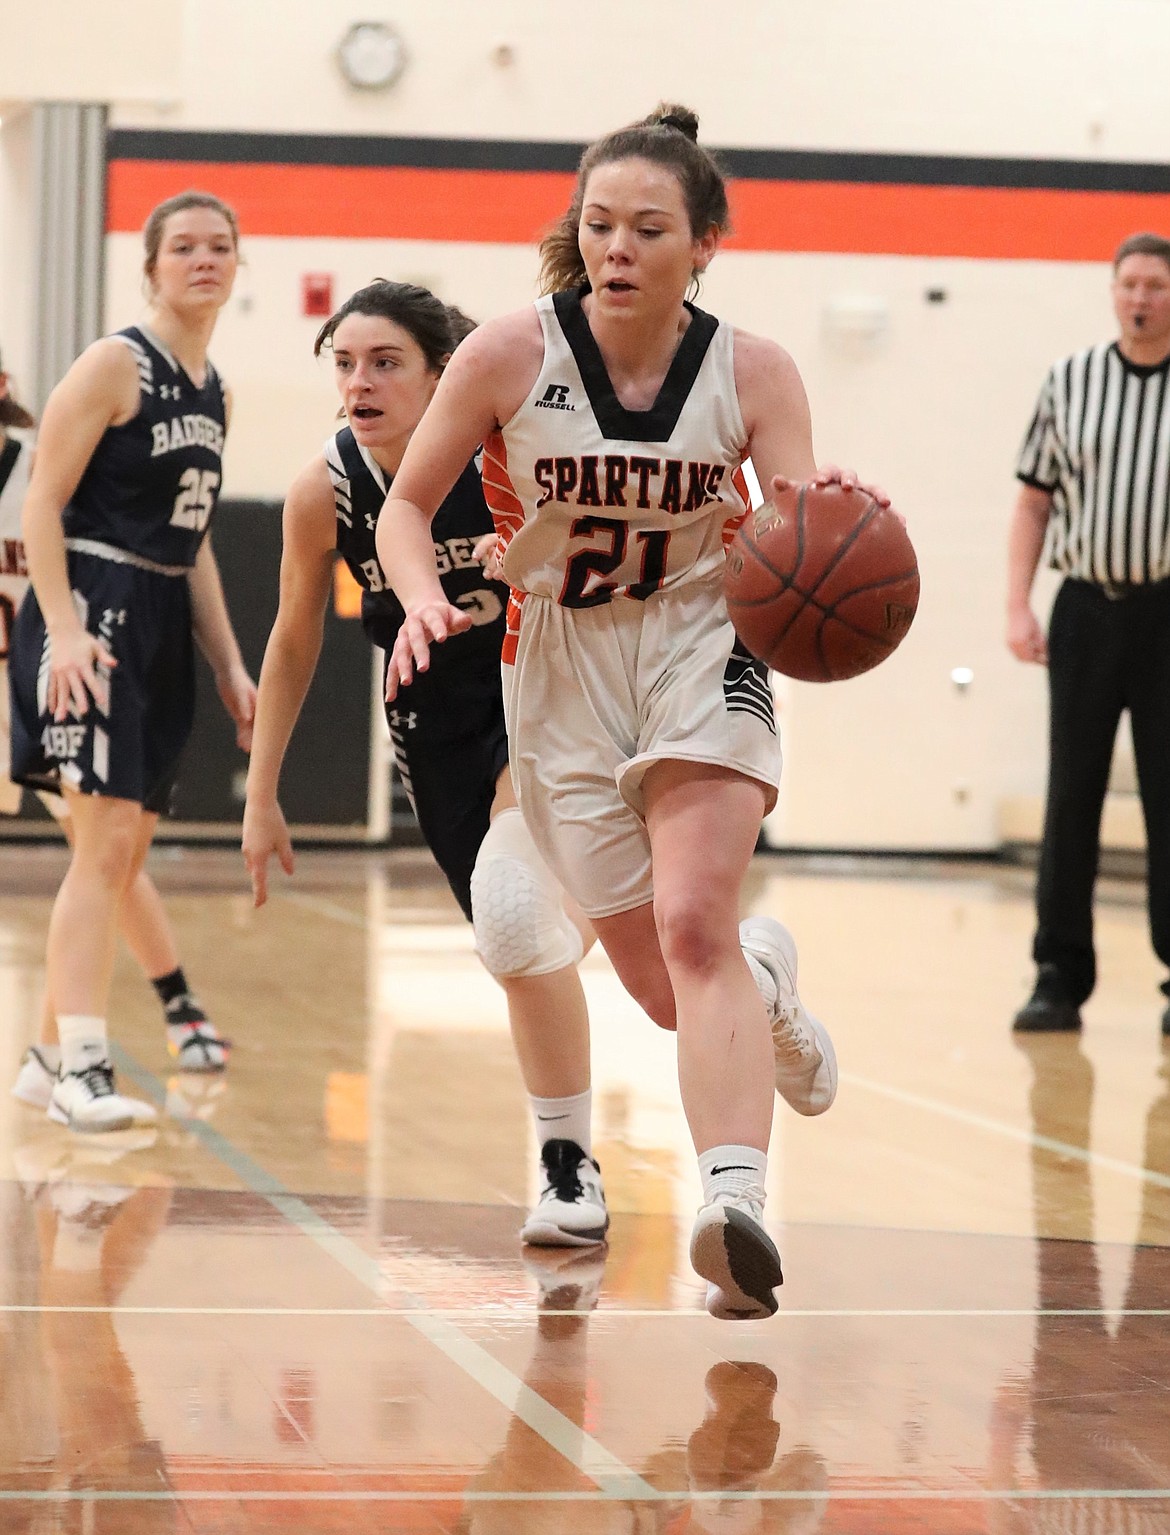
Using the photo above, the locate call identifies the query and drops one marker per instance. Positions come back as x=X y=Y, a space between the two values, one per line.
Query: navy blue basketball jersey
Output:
x=359 y=489
x=151 y=485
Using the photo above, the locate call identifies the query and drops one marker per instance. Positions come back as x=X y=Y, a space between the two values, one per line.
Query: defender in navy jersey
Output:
x=360 y=486
x=450 y=746
x=123 y=582
x=390 y=343
x=133 y=529
x=142 y=920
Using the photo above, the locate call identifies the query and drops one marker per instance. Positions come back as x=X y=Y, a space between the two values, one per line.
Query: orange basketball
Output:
x=822 y=583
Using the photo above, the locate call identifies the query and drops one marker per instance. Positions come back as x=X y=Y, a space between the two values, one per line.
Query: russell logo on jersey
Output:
x=555 y=397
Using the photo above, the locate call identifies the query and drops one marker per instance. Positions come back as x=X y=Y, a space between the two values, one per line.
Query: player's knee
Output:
x=691 y=937
x=106 y=842
x=521 y=927
x=111 y=860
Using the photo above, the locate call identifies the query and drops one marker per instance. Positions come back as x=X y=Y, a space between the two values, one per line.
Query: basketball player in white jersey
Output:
x=616 y=418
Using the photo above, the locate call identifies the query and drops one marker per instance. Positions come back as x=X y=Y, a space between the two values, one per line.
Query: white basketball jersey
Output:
x=594 y=502
x=14 y=472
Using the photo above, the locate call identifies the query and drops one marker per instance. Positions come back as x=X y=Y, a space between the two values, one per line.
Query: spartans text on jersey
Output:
x=587 y=480
x=12 y=560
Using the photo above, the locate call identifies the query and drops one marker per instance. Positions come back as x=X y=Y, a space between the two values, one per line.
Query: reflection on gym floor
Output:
x=300 y=1303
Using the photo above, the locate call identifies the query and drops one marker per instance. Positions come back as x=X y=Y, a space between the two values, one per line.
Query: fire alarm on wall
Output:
x=317 y=293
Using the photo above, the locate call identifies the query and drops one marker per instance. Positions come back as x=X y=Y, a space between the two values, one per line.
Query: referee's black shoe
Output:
x=1050 y=1009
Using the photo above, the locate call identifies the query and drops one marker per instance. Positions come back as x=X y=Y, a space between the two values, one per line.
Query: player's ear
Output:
x=705 y=247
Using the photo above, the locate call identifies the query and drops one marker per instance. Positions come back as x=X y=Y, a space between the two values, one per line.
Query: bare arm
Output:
x=779 y=425
x=290 y=659
x=217 y=640
x=100 y=390
x=775 y=410
x=485 y=383
x=1029 y=525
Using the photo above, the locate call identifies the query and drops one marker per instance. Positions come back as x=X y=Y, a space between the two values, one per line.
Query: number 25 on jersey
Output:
x=195 y=499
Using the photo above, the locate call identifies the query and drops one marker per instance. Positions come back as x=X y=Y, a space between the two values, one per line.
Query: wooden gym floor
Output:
x=301 y=1304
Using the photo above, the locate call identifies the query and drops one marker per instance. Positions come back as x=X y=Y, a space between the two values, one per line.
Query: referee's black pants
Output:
x=1105 y=654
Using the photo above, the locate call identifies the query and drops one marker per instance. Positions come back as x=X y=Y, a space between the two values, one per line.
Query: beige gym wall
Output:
x=927 y=396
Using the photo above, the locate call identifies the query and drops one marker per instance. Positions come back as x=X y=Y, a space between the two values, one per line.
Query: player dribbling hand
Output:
x=847 y=479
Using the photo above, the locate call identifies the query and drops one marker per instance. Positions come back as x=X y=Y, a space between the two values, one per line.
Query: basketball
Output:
x=821 y=583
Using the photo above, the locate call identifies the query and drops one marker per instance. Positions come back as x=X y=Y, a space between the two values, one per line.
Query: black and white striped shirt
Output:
x=1100 y=442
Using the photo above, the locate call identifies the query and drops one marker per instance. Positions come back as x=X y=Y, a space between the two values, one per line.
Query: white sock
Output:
x=564 y=1119
x=729 y=1171
x=765 y=984
x=83 y=1041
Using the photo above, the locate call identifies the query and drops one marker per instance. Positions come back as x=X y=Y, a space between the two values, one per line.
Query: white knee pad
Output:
x=521 y=926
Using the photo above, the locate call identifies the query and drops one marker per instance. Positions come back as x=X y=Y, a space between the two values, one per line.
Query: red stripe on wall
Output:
x=516 y=207
x=351 y=202
x=991 y=222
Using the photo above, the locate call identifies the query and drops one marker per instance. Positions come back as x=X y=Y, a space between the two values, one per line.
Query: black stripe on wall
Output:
x=534 y=155
x=343 y=149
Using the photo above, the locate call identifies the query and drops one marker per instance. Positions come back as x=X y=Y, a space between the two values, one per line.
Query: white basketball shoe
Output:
x=732 y=1251
x=87 y=1102
x=570 y=1210
x=197 y=1046
x=806 y=1063
x=36 y=1079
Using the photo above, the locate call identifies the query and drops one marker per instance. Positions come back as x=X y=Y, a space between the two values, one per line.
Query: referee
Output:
x=1095 y=486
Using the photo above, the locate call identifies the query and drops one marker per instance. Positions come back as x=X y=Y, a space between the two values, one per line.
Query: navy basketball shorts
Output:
x=450 y=747
x=128 y=743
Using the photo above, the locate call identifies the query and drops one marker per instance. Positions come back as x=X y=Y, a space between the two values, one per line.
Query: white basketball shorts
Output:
x=598 y=695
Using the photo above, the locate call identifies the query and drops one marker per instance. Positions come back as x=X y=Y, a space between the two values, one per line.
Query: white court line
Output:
x=522 y=1313
x=411 y=931
x=325 y=908
x=899 y=1095
x=569 y=1439
x=883 y=1494
x=613 y=1478
x=1011 y=1132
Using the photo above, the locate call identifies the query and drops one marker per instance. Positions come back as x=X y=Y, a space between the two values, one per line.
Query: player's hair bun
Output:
x=669 y=115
